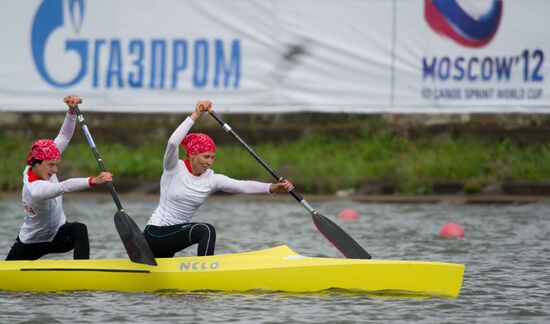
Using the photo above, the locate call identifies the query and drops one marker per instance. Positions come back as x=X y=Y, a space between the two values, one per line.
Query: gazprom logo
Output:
x=467 y=22
x=111 y=62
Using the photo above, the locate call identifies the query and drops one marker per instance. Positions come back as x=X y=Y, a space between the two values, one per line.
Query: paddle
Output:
x=332 y=232
x=136 y=246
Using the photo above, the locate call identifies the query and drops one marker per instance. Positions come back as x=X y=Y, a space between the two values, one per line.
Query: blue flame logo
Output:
x=76 y=7
x=49 y=17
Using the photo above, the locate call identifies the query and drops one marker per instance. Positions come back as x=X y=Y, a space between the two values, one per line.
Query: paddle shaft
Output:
x=92 y=146
x=134 y=242
x=332 y=232
x=292 y=192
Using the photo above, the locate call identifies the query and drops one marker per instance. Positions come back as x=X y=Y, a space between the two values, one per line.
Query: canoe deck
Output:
x=275 y=269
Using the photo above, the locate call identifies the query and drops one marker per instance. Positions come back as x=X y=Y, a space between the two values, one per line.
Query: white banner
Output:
x=359 y=56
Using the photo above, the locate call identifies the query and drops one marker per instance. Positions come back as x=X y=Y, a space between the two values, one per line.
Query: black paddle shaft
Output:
x=91 y=143
x=228 y=129
x=332 y=232
x=134 y=242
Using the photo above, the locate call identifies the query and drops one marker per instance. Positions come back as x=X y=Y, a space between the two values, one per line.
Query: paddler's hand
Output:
x=72 y=101
x=201 y=107
x=103 y=177
x=283 y=186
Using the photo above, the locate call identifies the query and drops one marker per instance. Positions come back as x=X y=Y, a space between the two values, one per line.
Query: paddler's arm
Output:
x=67 y=129
x=227 y=184
x=43 y=189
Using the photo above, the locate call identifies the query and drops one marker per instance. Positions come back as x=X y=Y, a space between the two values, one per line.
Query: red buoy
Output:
x=451 y=230
x=348 y=214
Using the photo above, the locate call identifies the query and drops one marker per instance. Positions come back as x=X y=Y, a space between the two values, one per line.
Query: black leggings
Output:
x=165 y=241
x=69 y=236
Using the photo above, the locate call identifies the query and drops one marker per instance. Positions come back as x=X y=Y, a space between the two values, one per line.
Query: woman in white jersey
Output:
x=45 y=228
x=184 y=186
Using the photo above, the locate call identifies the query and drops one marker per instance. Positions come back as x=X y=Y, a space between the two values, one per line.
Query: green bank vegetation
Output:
x=320 y=164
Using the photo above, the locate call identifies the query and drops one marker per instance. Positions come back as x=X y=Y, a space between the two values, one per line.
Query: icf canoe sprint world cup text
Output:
x=477 y=77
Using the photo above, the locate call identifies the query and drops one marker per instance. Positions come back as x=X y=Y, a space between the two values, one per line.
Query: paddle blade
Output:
x=340 y=239
x=136 y=246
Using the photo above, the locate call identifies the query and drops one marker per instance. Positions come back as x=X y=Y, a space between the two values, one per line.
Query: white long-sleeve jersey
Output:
x=42 y=199
x=182 y=193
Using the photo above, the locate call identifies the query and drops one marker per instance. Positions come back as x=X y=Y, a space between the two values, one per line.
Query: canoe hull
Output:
x=275 y=269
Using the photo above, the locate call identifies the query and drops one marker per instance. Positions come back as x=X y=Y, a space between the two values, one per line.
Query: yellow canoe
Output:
x=274 y=269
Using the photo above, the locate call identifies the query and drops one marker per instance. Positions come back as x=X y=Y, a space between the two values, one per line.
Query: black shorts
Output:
x=69 y=236
x=165 y=241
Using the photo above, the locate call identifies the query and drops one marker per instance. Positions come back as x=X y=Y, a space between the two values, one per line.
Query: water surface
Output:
x=506 y=251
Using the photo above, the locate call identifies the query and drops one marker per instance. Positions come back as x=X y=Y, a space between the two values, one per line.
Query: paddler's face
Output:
x=200 y=162
x=46 y=169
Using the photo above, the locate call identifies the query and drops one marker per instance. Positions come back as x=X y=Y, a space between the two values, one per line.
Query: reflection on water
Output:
x=506 y=251
x=327 y=293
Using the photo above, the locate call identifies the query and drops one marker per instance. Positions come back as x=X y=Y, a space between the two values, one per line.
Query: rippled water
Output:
x=506 y=252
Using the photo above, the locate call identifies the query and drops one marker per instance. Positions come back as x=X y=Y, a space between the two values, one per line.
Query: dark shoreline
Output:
x=408 y=199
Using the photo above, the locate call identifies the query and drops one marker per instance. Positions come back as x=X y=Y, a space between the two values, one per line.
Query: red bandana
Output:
x=43 y=149
x=198 y=143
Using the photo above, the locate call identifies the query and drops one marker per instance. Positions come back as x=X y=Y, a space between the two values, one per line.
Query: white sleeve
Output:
x=171 y=156
x=43 y=190
x=66 y=132
x=227 y=184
